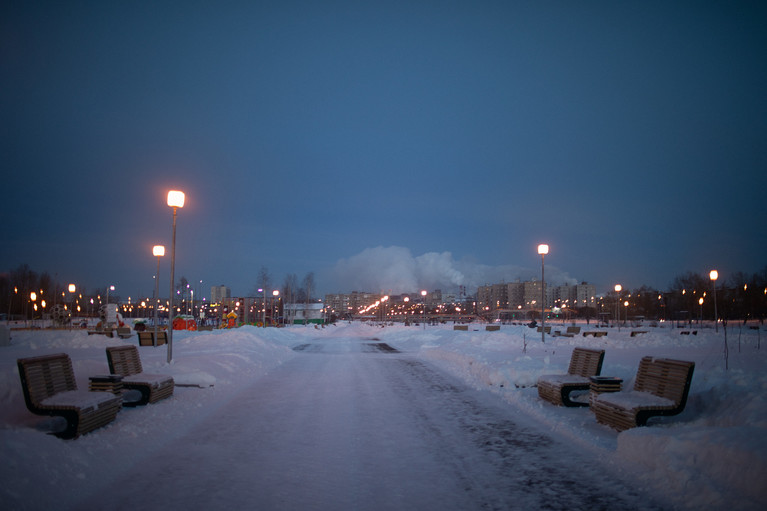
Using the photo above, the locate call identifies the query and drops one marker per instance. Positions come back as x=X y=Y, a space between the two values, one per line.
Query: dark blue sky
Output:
x=384 y=145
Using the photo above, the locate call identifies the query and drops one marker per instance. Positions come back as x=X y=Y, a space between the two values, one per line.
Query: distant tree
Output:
x=309 y=285
x=264 y=280
x=290 y=288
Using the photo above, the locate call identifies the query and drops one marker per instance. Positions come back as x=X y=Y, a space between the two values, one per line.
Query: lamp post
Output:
x=275 y=294
x=175 y=200
x=543 y=249
x=618 y=289
x=33 y=297
x=423 y=299
x=157 y=251
x=713 y=275
x=700 y=319
x=72 y=288
x=263 y=309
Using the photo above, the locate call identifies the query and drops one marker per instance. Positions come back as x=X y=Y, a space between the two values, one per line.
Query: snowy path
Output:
x=354 y=424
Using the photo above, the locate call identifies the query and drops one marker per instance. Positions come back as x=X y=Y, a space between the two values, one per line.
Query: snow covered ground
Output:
x=712 y=456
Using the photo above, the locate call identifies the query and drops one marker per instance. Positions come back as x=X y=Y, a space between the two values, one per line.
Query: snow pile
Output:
x=713 y=455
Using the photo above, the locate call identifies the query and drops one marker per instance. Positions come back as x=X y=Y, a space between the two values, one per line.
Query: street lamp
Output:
x=158 y=251
x=423 y=299
x=263 y=310
x=72 y=288
x=275 y=294
x=713 y=275
x=543 y=249
x=109 y=288
x=700 y=320
x=175 y=200
x=618 y=289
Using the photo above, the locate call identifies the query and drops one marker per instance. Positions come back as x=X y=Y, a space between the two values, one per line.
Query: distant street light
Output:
x=543 y=249
x=713 y=275
x=72 y=288
x=175 y=200
x=423 y=299
x=700 y=320
x=158 y=251
x=275 y=294
x=263 y=311
x=618 y=289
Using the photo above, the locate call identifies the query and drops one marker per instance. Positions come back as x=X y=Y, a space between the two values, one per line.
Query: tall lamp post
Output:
x=72 y=288
x=543 y=249
x=157 y=251
x=618 y=289
x=263 y=310
x=713 y=275
x=175 y=200
x=423 y=299
x=275 y=294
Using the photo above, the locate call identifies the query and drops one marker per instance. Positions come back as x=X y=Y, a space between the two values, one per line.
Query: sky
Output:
x=433 y=142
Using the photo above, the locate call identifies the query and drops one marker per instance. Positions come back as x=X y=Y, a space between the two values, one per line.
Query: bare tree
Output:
x=309 y=285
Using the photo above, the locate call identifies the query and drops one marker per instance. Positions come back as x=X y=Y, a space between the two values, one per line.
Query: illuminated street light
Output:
x=275 y=294
x=423 y=299
x=713 y=275
x=618 y=289
x=175 y=200
x=72 y=288
x=158 y=251
x=543 y=249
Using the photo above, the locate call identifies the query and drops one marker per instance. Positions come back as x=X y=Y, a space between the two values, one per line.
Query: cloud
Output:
x=394 y=269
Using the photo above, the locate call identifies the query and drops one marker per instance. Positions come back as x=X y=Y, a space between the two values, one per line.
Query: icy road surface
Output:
x=357 y=425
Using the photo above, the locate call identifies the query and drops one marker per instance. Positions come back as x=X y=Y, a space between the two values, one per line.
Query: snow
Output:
x=713 y=455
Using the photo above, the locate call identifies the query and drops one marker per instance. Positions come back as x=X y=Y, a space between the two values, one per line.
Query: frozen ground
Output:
x=712 y=456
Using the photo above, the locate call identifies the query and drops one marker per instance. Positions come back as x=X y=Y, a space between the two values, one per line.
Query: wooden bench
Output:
x=146 y=338
x=634 y=333
x=556 y=388
x=547 y=328
x=108 y=333
x=124 y=332
x=50 y=388
x=572 y=331
x=125 y=361
x=492 y=328
x=465 y=328
x=595 y=334
x=661 y=388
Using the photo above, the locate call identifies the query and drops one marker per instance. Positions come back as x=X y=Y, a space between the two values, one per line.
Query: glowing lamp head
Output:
x=72 y=288
x=176 y=199
x=713 y=275
x=158 y=250
x=618 y=288
x=423 y=293
x=276 y=292
x=543 y=249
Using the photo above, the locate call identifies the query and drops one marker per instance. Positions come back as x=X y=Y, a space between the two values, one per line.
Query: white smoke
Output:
x=395 y=270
